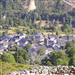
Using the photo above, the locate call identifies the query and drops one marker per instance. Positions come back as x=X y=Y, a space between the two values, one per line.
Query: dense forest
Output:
x=15 y=13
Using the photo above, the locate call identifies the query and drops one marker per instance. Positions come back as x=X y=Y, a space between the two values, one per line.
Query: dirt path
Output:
x=70 y=3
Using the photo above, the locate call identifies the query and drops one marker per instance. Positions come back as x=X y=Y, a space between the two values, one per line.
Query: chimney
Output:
x=31 y=6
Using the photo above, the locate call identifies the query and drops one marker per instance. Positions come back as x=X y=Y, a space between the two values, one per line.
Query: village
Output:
x=37 y=37
x=37 y=41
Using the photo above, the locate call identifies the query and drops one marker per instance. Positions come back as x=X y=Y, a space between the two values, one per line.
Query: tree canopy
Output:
x=8 y=57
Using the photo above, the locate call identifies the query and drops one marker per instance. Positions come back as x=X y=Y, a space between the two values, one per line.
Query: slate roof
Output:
x=34 y=48
x=59 y=42
x=22 y=42
x=38 y=36
x=30 y=38
x=11 y=40
x=2 y=48
x=4 y=37
x=50 y=41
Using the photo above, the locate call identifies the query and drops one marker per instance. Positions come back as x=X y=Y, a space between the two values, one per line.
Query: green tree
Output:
x=41 y=51
x=61 y=58
x=21 y=60
x=28 y=46
x=57 y=58
x=67 y=29
x=46 y=61
x=72 y=61
x=69 y=44
x=70 y=50
x=49 y=63
x=22 y=55
x=8 y=57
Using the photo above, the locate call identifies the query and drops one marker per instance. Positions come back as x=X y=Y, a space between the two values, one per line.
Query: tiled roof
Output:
x=34 y=48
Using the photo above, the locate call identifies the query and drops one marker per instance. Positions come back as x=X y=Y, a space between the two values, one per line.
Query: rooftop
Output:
x=49 y=41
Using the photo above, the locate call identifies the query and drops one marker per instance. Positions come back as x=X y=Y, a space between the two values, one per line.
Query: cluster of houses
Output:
x=37 y=41
x=9 y=41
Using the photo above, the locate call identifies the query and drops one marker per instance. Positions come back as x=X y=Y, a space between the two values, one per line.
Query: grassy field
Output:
x=24 y=29
x=6 y=68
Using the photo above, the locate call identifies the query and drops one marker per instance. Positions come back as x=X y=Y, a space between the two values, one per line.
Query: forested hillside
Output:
x=12 y=11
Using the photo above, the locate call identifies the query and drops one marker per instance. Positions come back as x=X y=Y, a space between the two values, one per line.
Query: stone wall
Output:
x=47 y=70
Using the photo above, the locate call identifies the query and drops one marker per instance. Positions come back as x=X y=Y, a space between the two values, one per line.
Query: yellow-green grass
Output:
x=6 y=68
x=24 y=29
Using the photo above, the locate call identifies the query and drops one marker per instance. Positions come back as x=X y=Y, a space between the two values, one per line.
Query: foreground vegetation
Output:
x=6 y=67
